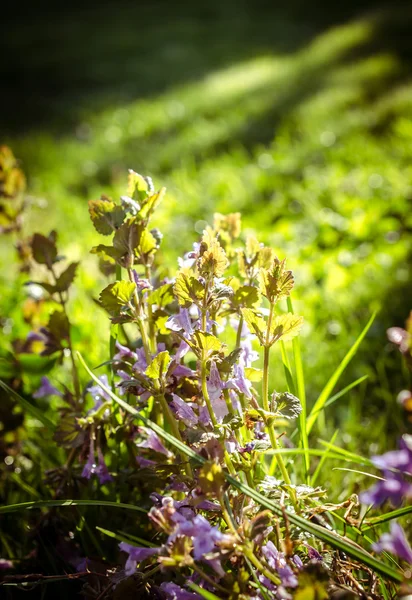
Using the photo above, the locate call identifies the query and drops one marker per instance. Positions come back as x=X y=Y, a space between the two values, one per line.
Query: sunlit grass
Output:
x=313 y=146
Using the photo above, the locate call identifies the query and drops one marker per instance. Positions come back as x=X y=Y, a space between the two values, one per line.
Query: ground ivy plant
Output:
x=181 y=427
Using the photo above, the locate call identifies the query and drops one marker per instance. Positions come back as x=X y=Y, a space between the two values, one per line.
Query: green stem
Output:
x=152 y=336
x=265 y=398
x=76 y=382
x=211 y=581
x=256 y=562
x=239 y=332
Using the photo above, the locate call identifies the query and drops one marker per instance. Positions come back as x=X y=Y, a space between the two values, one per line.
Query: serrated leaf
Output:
x=43 y=249
x=116 y=296
x=147 y=244
x=285 y=326
x=206 y=342
x=66 y=278
x=159 y=365
x=230 y=223
x=106 y=216
x=107 y=253
x=59 y=325
x=139 y=187
x=246 y=296
x=127 y=237
x=286 y=405
x=276 y=282
x=188 y=289
x=162 y=296
x=256 y=324
x=151 y=203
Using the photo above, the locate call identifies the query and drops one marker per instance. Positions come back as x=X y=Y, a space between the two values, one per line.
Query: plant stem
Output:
x=256 y=562
x=207 y=578
x=239 y=332
x=75 y=374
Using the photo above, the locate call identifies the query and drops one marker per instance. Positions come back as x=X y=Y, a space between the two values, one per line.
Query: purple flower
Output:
x=395 y=542
x=153 y=442
x=215 y=388
x=180 y=321
x=204 y=535
x=175 y=592
x=46 y=389
x=124 y=353
x=98 y=394
x=102 y=471
x=136 y=555
x=239 y=381
x=141 y=284
x=394 y=489
x=183 y=411
x=90 y=466
x=277 y=562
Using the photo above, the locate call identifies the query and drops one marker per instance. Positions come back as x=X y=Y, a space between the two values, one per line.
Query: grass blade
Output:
x=322 y=460
x=48 y=503
x=28 y=407
x=394 y=514
x=122 y=537
x=349 y=455
x=301 y=394
x=202 y=592
x=329 y=537
x=327 y=390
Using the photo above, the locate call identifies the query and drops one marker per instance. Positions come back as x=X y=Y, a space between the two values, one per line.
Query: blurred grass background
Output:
x=296 y=114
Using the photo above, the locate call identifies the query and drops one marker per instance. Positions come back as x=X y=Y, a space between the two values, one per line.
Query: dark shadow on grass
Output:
x=61 y=61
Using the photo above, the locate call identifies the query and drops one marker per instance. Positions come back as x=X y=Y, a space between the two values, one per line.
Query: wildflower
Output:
x=277 y=561
x=98 y=394
x=395 y=542
x=90 y=466
x=102 y=471
x=153 y=442
x=5 y=564
x=124 y=353
x=180 y=322
x=46 y=389
x=175 y=592
x=183 y=411
x=136 y=555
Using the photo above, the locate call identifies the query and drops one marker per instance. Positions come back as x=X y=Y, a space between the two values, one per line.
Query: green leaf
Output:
x=147 y=244
x=247 y=296
x=106 y=216
x=127 y=238
x=330 y=537
x=44 y=249
x=313 y=583
x=276 y=282
x=139 y=187
x=206 y=342
x=328 y=389
x=285 y=326
x=286 y=405
x=129 y=539
x=256 y=324
x=151 y=203
x=59 y=325
x=188 y=289
x=28 y=407
x=162 y=296
x=159 y=365
x=394 y=514
x=116 y=296
x=107 y=253
x=66 y=278
x=48 y=503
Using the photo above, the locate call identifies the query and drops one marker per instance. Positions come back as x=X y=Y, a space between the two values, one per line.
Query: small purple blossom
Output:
x=98 y=394
x=102 y=471
x=141 y=284
x=277 y=561
x=394 y=489
x=136 y=555
x=175 y=592
x=5 y=564
x=183 y=411
x=395 y=542
x=153 y=442
x=90 y=467
x=124 y=353
x=46 y=389
x=180 y=322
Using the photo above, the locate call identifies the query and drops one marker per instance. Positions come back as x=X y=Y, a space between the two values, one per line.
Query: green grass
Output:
x=300 y=121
